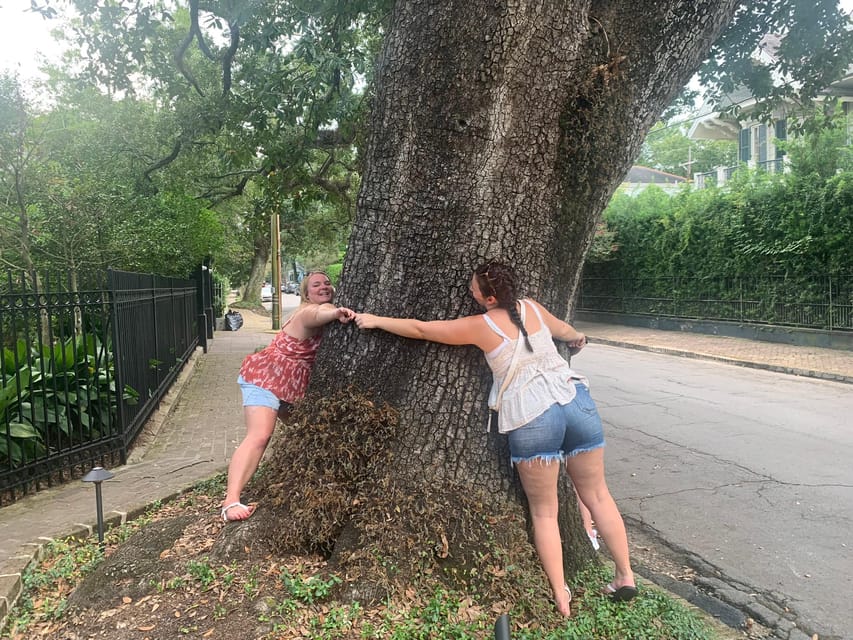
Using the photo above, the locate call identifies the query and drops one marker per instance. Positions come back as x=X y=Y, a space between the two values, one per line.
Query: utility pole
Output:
x=687 y=165
x=275 y=235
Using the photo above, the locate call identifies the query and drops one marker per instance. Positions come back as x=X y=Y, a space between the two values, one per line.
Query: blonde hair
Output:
x=303 y=285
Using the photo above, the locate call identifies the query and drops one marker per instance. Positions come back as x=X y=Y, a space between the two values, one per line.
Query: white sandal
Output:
x=224 y=512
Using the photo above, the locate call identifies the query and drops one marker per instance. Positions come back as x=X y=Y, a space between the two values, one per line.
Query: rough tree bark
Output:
x=260 y=258
x=499 y=129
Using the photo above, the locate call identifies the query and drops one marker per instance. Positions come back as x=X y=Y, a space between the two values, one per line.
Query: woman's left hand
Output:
x=578 y=343
x=345 y=315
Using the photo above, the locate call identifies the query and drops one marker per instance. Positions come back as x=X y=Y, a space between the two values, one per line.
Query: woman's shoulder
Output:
x=296 y=317
x=536 y=304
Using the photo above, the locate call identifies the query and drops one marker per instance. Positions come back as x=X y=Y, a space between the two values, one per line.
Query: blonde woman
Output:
x=273 y=379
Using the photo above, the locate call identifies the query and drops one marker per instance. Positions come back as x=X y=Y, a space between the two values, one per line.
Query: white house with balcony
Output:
x=757 y=140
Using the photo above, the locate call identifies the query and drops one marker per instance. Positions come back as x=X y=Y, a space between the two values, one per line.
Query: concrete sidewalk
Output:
x=813 y=362
x=200 y=423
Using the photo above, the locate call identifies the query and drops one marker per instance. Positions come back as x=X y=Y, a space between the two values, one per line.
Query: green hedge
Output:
x=756 y=224
x=798 y=224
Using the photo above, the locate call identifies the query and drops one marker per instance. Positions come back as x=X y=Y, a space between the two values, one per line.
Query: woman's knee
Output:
x=257 y=439
x=592 y=491
x=260 y=442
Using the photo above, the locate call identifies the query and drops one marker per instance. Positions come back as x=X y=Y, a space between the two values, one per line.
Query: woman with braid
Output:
x=544 y=408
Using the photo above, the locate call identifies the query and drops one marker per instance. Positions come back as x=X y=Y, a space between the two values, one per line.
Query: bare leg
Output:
x=586 y=519
x=587 y=473
x=540 y=485
x=260 y=422
x=586 y=516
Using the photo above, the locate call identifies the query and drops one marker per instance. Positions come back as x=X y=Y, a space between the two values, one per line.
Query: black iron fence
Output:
x=82 y=368
x=154 y=331
x=820 y=302
x=204 y=303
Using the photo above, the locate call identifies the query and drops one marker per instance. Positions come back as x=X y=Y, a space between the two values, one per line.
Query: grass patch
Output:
x=652 y=615
x=299 y=597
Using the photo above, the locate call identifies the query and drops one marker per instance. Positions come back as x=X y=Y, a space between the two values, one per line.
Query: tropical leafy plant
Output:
x=59 y=397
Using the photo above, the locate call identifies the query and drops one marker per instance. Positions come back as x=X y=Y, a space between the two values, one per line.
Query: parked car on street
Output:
x=290 y=287
x=266 y=293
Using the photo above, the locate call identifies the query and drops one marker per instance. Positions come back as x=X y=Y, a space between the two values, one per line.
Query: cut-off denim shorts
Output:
x=563 y=430
x=255 y=396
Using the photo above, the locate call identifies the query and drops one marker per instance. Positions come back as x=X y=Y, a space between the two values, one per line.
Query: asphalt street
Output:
x=749 y=470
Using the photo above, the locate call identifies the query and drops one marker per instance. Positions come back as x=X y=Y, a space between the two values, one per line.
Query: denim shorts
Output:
x=255 y=396
x=563 y=430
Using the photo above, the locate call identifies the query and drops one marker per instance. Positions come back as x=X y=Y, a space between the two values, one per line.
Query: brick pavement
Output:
x=191 y=436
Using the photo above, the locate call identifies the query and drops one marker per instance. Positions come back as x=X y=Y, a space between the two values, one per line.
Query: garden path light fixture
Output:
x=502 y=628
x=98 y=475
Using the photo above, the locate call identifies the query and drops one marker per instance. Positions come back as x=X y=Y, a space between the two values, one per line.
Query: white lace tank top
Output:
x=542 y=377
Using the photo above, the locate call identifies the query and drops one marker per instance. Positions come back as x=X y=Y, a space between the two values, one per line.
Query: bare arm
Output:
x=467 y=330
x=317 y=315
x=561 y=330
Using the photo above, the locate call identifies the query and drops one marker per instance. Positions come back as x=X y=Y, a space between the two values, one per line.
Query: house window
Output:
x=781 y=134
x=756 y=143
x=743 y=154
x=759 y=144
x=848 y=115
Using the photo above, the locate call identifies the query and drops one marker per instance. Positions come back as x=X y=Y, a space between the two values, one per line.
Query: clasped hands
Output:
x=345 y=315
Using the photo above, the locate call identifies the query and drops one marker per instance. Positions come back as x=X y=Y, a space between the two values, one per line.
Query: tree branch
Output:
x=185 y=43
x=216 y=198
x=228 y=58
x=162 y=162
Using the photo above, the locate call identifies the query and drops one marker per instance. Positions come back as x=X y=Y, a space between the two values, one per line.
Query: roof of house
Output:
x=842 y=86
x=648 y=175
x=711 y=124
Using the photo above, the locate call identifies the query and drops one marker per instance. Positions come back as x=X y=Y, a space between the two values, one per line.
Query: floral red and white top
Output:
x=284 y=367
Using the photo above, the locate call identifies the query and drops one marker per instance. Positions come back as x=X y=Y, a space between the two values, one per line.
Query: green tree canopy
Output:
x=667 y=148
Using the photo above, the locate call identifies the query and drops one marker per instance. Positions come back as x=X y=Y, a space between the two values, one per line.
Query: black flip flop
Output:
x=622 y=594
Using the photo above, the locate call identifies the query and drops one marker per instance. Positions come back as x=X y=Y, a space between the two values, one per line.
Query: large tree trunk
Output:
x=499 y=129
x=260 y=259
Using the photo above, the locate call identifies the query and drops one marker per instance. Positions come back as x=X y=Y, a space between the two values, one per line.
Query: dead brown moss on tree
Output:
x=324 y=462
x=332 y=486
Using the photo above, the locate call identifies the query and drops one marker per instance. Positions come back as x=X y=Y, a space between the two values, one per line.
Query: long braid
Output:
x=499 y=280
x=516 y=320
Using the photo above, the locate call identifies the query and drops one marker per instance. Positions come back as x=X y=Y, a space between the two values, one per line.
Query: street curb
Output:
x=733 y=604
x=806 y=373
